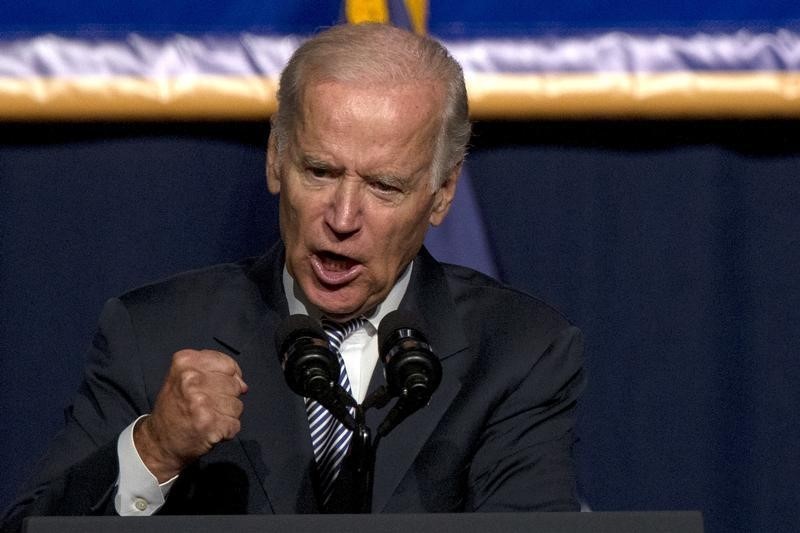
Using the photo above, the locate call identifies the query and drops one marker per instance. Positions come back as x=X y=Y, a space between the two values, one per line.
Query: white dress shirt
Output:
x=360 y=349
x=138 y=491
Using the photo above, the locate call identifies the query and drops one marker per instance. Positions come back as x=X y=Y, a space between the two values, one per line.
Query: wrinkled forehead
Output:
x=368 y=130
x=418 y=106
x=427 y=93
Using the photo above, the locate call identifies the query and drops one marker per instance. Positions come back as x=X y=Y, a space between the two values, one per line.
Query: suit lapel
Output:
x=428 y=297
x=274 y=432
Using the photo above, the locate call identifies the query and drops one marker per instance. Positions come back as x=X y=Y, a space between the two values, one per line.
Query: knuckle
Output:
x=232 y=386
x=202 y=420
x=213 y=353
x=228 y=365
x=198 y=401
x=224 y=361
x=182 y=357
x=233 y=429
x=190 y=378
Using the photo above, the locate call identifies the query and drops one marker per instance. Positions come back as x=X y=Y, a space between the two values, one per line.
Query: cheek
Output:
x=400 y=240
x=291 y=225
x=287 y=216
x=295 y=207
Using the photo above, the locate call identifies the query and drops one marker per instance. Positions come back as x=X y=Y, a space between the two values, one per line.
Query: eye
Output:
x=383 y=187
x=318 y=172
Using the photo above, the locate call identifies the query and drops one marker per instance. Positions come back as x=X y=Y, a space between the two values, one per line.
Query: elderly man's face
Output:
x=355 y=195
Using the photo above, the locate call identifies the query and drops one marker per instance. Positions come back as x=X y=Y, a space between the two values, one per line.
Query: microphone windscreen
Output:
x=294 y=327
x=394 y=321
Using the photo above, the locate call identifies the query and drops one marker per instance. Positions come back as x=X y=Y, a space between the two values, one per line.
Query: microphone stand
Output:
x=363 y=452
x=356 y=494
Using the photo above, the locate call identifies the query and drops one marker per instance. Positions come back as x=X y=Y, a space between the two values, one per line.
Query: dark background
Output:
x=673 y=245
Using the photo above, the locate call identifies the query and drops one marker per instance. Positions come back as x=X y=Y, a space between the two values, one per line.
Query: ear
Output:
x=273 y=166
x=443 y=197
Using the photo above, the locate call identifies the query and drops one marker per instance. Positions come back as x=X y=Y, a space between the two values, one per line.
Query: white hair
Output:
x=385 y=54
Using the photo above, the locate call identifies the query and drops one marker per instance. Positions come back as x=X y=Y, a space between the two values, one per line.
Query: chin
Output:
x=334 y=305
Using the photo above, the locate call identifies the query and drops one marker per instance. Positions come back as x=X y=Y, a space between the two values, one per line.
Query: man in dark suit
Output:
x=184 y=407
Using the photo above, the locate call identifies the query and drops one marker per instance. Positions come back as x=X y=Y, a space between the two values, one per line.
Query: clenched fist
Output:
x=197 y=407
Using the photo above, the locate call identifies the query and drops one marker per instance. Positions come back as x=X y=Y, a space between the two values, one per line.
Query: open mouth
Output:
x=333 y=269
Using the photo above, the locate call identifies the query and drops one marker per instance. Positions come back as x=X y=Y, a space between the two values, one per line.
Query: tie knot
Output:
x=338 y=331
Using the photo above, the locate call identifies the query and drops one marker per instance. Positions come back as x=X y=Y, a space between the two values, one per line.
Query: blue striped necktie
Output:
x=329 y=438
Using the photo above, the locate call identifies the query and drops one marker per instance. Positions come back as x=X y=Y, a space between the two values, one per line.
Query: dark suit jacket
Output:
x=497 y=435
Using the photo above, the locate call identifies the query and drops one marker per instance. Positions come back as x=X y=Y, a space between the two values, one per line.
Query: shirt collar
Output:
x=298 y=304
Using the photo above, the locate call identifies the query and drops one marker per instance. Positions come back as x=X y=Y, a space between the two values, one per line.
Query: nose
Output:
x=344 y=214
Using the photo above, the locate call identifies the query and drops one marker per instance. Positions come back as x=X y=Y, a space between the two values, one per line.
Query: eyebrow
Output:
x=310 y=161
x=391 y=179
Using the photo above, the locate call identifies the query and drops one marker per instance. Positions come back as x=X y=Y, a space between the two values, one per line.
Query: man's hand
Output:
x=198 y=406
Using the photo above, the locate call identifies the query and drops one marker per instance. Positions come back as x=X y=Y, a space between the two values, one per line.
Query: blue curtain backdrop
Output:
x=672 y=245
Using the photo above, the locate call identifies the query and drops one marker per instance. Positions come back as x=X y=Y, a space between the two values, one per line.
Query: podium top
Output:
x=627 y=522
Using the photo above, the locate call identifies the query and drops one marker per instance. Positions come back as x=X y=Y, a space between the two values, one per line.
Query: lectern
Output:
x=629 y=522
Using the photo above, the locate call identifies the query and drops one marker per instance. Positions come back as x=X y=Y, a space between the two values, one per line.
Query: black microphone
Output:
x=413 y=372
x=310 y=367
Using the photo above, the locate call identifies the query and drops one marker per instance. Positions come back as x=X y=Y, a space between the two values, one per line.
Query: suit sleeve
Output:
x=78 y=474
x=524 y=460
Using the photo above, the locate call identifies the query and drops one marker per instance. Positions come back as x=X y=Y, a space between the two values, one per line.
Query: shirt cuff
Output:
x=138 y=490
